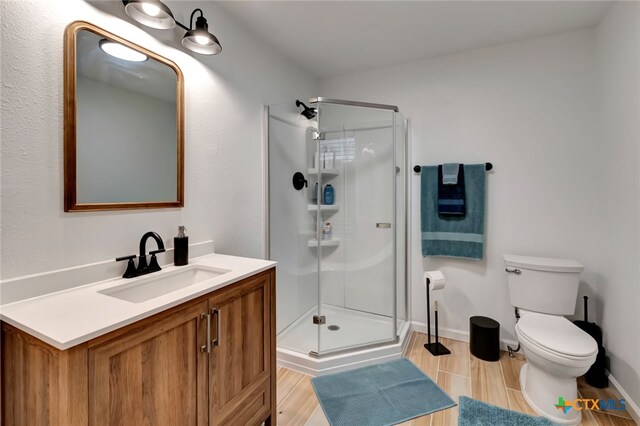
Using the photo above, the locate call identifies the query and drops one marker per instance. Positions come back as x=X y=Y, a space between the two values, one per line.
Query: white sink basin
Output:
x=160 y=283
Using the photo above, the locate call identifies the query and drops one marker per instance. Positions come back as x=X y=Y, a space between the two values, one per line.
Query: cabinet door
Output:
x=152 y=373
x=240 y=367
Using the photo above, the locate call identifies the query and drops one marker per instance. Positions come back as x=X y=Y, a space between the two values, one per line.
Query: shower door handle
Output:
x=383 y=225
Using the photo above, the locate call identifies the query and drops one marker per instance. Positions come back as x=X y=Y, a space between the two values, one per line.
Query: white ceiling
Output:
x=330 y=38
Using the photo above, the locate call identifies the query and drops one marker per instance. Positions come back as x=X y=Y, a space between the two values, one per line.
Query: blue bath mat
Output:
x=477 y=413
x=379 y=395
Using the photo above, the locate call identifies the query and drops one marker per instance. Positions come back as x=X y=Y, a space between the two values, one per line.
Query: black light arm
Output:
x=182 y=26
x=190 y=27
x=192 y=15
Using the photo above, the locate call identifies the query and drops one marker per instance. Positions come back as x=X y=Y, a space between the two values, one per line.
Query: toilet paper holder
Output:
x=436 y=348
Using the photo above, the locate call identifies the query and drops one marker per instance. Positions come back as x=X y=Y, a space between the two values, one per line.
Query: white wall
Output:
x=530 y=109
x=618 y=50
x=224 y=98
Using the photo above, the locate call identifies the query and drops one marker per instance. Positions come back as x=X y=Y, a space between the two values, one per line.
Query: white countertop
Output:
x=67 y=318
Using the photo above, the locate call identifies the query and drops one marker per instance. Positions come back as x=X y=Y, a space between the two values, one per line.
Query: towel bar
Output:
x=487 y=166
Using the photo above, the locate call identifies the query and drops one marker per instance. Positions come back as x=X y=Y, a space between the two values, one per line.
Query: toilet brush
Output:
x=597 y=375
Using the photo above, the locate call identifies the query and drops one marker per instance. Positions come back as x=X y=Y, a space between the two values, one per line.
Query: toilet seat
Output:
x=556 y=335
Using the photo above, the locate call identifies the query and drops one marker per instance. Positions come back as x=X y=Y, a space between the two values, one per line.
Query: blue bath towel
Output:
x=451 y=196
x=455 y=236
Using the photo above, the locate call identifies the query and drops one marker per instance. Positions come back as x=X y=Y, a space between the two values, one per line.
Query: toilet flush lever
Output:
x=513 y=271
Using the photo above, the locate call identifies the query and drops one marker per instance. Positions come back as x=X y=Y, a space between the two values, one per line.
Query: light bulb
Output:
x=203 y=40
x=121 y=51
x=150 y=9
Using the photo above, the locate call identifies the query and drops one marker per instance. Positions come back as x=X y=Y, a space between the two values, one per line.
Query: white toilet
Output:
x=557 y=352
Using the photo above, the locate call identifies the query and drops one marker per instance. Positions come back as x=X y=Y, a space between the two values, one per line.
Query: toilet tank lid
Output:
x=542 y=263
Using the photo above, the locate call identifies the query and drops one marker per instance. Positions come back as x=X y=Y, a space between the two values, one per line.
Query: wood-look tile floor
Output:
x=458 y=374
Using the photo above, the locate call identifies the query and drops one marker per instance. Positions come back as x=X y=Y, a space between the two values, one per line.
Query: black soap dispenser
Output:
x=181 y=248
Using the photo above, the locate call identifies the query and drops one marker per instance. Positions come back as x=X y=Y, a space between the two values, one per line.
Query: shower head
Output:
x=308 y=113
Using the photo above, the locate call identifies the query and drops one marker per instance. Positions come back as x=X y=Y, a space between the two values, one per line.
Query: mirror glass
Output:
x=128 y=141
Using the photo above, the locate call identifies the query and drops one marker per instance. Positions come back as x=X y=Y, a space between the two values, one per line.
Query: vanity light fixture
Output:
x=121 y=51
x=199 y=39
x=151 y=13
x=156 y=14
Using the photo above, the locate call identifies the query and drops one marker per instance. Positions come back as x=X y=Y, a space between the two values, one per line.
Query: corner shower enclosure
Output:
x=343 y=291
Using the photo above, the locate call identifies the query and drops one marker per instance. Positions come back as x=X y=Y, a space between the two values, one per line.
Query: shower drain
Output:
x=334 y=327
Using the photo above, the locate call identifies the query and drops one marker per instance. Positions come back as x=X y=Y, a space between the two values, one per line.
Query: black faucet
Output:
x=153 y=266
x=144 y=268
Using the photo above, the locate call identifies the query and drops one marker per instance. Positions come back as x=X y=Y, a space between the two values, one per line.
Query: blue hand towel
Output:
x=456 y=236
x=450 y=173
x=451 y=197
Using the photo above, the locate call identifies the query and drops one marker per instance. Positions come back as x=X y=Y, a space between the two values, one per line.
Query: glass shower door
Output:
x=292 y=225
x=356 y=227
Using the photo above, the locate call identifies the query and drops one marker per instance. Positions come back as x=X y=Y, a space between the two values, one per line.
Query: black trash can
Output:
x=484 y=338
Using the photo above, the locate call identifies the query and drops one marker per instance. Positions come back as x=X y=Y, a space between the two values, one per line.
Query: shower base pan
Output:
x=369 y=331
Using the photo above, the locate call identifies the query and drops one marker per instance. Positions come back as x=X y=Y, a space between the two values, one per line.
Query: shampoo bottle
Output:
x=328 y=194
x=181 y=248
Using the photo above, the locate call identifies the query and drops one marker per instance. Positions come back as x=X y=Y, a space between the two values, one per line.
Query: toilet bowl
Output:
x=544 y=290
x=557 y=352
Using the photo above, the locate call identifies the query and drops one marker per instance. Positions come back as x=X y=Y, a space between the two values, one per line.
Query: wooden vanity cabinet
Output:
x=158 y=371
x=241 y=370
x=152 y=374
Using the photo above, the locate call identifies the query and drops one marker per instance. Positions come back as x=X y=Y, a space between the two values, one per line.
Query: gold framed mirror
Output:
x=123 y=124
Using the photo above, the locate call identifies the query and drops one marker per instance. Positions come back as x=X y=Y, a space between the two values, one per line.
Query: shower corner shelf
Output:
x=325 y=208
x=325 y=172
x=334 y=242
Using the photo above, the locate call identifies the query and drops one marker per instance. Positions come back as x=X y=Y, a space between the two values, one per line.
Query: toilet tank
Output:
x=543 y=284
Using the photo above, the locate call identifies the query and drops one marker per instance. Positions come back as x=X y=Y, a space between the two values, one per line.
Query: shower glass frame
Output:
x=400 y=188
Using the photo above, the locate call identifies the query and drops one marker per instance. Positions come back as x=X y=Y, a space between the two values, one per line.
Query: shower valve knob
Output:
x=299 y=181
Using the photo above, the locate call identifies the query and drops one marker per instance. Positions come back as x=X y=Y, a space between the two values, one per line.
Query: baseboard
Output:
x=632 y=407
x=462 y=336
